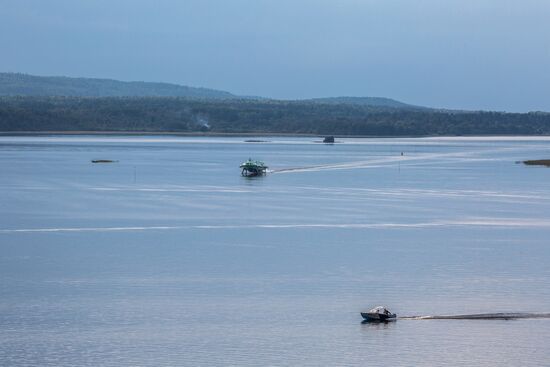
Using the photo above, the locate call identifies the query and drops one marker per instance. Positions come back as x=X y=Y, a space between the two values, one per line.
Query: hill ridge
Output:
x=22 y=84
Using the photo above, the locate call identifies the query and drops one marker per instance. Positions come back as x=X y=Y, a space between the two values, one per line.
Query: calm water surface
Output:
x=169 y=257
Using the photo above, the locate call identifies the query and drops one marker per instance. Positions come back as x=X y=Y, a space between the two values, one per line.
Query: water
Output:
x=169 y=257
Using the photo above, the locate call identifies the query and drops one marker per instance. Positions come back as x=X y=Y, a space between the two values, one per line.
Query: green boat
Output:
x=253 y=168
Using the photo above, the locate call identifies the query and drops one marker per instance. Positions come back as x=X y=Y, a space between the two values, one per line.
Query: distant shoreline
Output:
x=249 y=134
x=140 y=133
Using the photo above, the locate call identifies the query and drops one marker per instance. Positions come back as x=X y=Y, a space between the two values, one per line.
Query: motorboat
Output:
x=379 y=314
x=253 y=168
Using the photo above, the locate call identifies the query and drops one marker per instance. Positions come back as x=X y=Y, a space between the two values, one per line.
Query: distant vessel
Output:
x=103 y=161
x=379 y=314
x=253 y=168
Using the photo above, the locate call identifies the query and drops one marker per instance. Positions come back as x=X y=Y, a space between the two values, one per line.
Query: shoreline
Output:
x=252 y=134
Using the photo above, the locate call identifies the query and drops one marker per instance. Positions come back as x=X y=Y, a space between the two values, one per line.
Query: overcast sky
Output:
x=484 y=54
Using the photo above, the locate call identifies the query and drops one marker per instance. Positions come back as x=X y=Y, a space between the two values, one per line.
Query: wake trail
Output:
x=385 y=160
x=465 y=222
x=482 y=316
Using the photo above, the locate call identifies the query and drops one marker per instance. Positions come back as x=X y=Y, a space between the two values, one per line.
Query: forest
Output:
x=257 y=116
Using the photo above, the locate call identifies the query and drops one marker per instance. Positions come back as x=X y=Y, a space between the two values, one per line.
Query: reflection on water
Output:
x=377 y=324
x=170 y=257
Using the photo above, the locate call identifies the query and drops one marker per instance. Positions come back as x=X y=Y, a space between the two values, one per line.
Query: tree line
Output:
x=176 y=114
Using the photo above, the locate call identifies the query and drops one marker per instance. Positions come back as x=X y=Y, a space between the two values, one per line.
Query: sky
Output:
x=460 y=54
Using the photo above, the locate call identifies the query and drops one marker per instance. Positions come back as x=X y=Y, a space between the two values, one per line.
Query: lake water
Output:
x=168 y=257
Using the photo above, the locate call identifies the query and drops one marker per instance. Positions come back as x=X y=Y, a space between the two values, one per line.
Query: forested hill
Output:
x=32 y=103
x=167 y=114
x=366 y=101
x=15 y=84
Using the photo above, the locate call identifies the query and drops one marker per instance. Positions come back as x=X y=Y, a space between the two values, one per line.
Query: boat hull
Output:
x=377 y=317
x=250 y=172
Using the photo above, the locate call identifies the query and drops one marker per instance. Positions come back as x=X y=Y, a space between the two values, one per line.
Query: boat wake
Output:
x=482 y=316
x=345 y=166
x=465 y=222
x=393 y=160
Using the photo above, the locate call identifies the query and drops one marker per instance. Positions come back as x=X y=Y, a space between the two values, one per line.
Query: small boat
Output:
x=103 y=161
x=253 y=168
x=379 y=314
